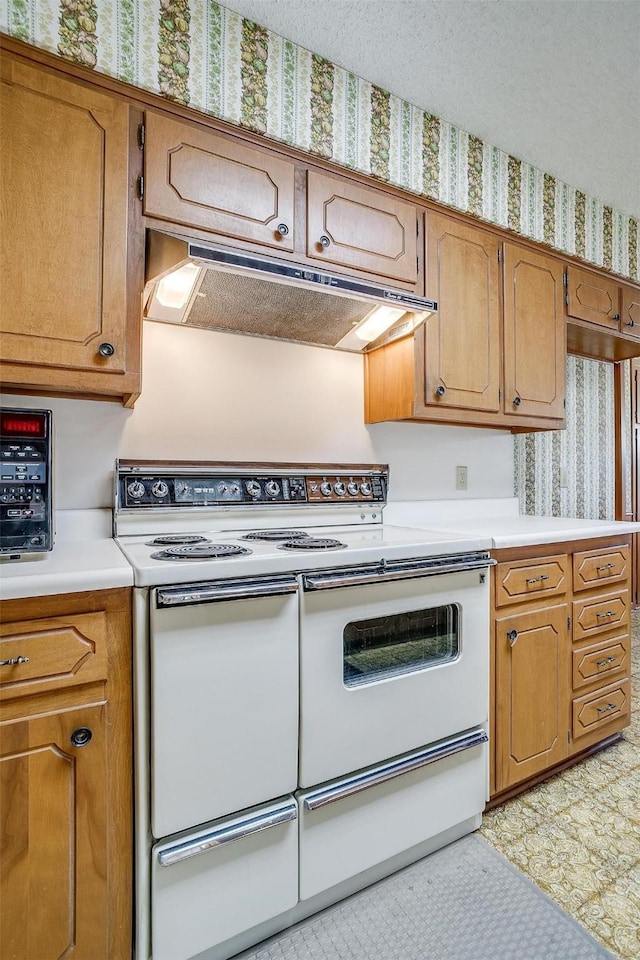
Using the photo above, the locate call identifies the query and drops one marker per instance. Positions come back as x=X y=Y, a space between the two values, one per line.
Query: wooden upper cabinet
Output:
x=630 y=311
x=603 y=315
x=65 y=217
x=534 y=331
x=593 y=297
x=198 y=178
x=463 y=340
x=350 y=225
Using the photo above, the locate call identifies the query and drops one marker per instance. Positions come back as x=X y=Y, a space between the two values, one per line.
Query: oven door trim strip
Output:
x=228 y=834
x=352 y=785
x=396 y=570
x=225 y=590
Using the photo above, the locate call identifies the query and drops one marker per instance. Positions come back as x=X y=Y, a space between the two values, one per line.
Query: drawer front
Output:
x=596 y=710
x=39 y=655
x=599 y=614
x=521 y=580
x=213 y=885
x=593 y=567
x=600 y=661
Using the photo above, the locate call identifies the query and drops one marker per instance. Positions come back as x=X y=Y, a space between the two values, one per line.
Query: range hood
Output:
x=219 y=288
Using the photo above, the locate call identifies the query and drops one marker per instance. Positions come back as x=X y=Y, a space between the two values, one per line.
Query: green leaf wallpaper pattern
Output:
x=198 y=52
x=571 y=473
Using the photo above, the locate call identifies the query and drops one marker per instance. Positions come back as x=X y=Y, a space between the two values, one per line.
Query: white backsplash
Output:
x=217 y=396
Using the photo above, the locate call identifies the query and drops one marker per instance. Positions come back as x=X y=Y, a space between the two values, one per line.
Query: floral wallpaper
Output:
x=199 y=53
x=571 y=473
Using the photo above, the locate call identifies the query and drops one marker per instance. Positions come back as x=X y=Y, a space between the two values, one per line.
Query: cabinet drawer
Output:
x=600 y=613
x=52 y=653
x=598 y=660
x=592 y=567
x=597 y=709
x=522 y=579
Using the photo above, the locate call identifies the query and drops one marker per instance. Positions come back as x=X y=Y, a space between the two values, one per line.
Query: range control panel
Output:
x=25 y=482
x=174 y=488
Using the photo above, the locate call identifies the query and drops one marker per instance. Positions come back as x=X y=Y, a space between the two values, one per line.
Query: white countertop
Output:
x=500 y=520
x=84 y=557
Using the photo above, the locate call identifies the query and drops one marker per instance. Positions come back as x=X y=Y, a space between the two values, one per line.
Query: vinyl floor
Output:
x=577 y=836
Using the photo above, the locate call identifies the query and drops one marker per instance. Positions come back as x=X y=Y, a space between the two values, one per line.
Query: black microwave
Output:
x=26 y=468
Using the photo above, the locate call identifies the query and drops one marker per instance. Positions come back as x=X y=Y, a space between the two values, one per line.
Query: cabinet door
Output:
x=532 y=684
x=534 y=334
x=354 y=226
x=463 y=342
x=53 y=867
x=630 y=312
x=63 y=228
x=202 y=179
x=593 y=297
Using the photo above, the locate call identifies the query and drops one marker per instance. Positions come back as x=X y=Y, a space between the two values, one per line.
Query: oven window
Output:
x=400 y=643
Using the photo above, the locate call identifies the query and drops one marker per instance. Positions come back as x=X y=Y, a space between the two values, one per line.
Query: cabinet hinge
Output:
x=565 y=279
x=568 y=623
x=499 y=255
x=499 y=394
x=141 y=136
x=140 y=187
x=568 y=736
x=566 y=299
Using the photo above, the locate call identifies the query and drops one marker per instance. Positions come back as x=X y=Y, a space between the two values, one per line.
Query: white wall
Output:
x=216 y=396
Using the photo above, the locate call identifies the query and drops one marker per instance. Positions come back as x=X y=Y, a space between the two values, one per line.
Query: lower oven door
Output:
x=224 y=698
x=351 y=825
x=209 y=886
x=390 y=661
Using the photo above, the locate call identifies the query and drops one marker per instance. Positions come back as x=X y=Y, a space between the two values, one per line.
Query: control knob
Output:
x=160 y=489
x=352 y=488
x=253 y=488
x=272 y=488
x=339 y=488
x=136 y=490
x=325 y=488
x=365 y=488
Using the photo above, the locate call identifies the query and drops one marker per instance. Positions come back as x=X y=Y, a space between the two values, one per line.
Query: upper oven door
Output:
x=389 y=665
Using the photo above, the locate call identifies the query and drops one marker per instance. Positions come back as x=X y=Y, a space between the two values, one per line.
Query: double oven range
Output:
x=311 y=694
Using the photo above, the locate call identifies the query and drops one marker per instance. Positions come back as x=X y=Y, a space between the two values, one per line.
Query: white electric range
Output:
x=311 y=693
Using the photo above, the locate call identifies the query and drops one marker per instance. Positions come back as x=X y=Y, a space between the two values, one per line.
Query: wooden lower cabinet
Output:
x=65 y=777
x=560 y=661
x=532 y=662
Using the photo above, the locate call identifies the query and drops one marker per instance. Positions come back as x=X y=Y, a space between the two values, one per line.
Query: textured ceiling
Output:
x=556 y=82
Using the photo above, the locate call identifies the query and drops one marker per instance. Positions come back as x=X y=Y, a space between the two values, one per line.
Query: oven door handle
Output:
x=389 y=771
x=394 y=570
x=227 y=834
x=225 y=590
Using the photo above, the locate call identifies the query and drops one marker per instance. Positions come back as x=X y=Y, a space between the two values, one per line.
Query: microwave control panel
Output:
x=26 y=508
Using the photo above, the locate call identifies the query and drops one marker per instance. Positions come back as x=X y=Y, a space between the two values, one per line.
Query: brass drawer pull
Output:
x=543 y=576
x=13 y=660
x=603 y=663
x=609 y=706
x=604 y=616
x=606 y=566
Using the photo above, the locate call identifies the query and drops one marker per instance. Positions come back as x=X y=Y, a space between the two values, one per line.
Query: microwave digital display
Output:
x=31 y=425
